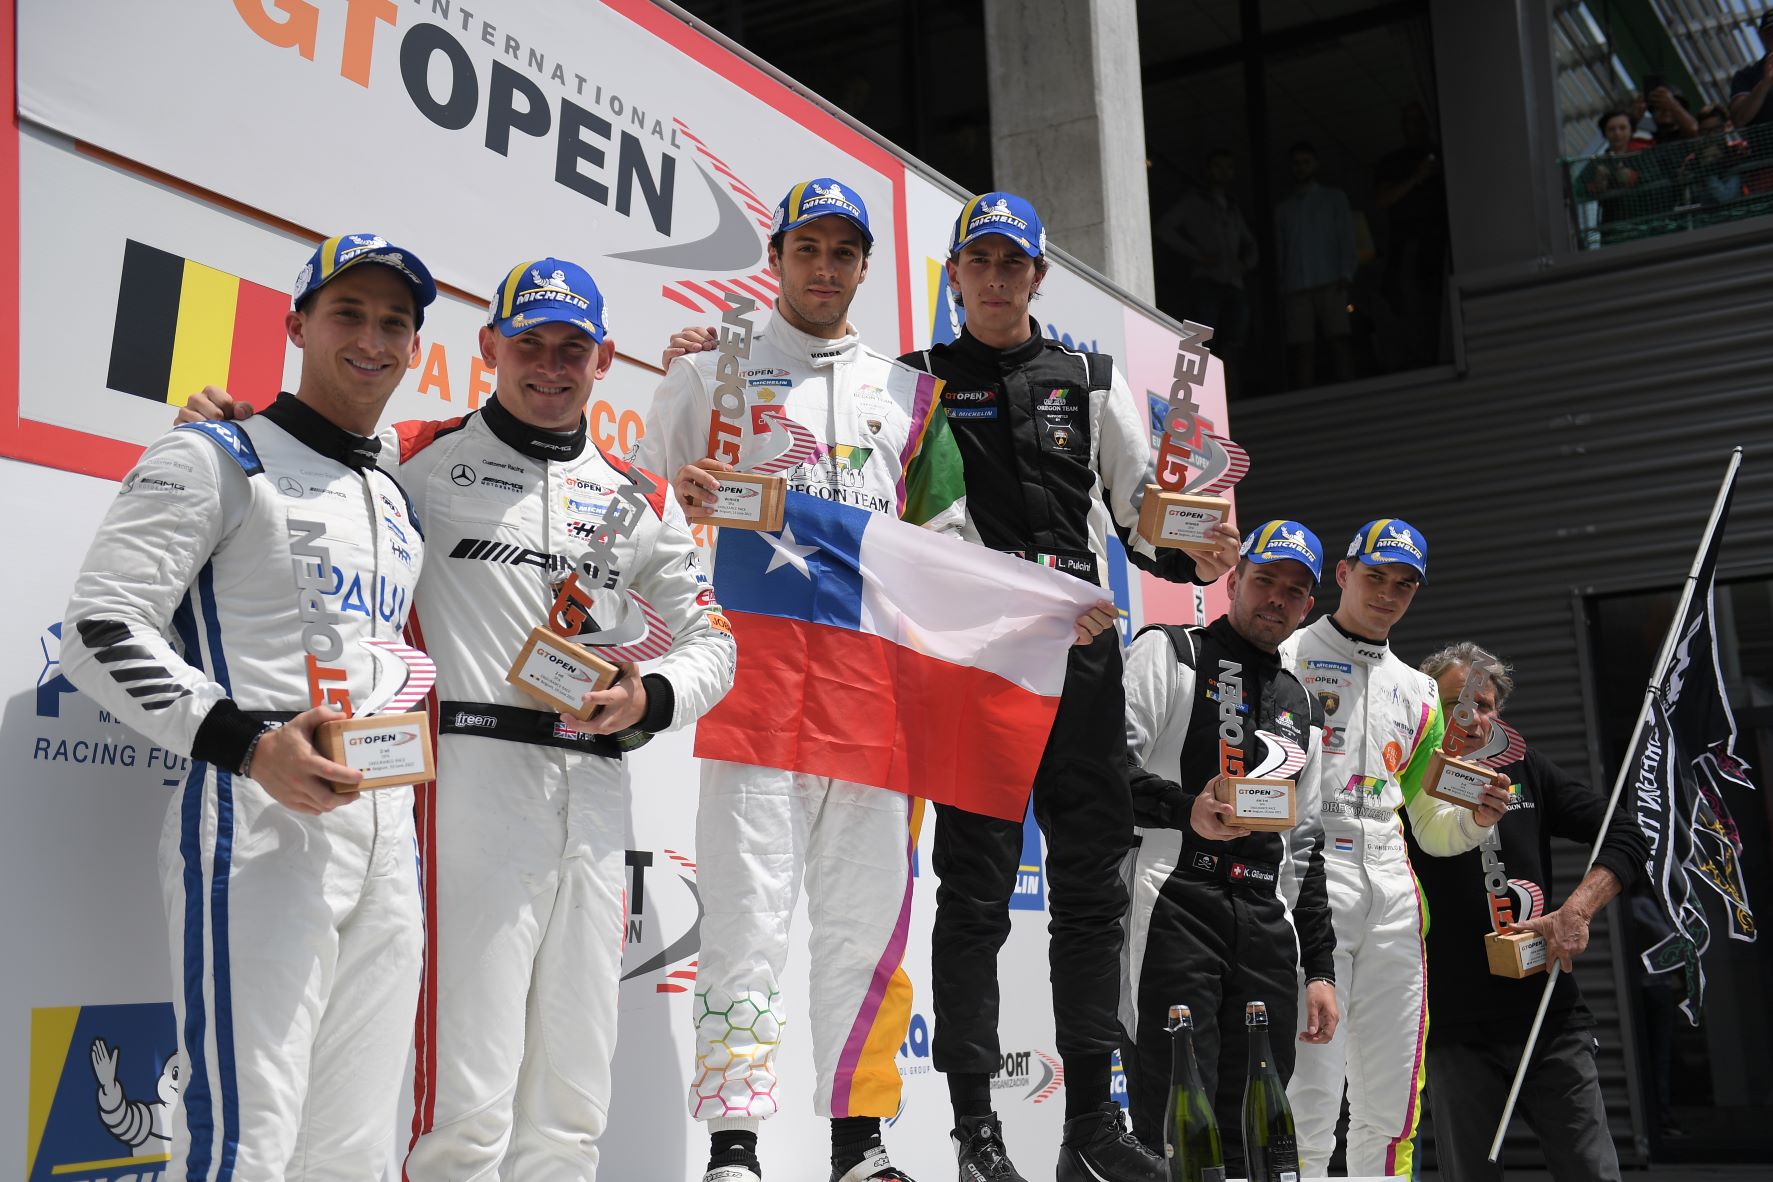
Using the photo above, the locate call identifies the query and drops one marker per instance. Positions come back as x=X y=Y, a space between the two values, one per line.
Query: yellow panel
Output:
x=203 y=348
x=52 y=1032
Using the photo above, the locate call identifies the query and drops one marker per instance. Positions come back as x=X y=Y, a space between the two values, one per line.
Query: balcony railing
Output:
x=1666 y=188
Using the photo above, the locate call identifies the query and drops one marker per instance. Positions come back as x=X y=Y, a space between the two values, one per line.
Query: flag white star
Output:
x=787 y=553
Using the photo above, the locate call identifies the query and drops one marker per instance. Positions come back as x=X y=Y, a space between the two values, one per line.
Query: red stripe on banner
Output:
x=754 y=292
x=672 y=293
x=860 y=708
x=708 y=294
x=255 y=361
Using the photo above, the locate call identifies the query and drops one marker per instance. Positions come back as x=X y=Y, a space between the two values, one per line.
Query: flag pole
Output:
x=1668 y=646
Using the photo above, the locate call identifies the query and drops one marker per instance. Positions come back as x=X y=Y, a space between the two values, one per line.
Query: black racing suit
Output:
x=1211 y=924
x=1057 y=454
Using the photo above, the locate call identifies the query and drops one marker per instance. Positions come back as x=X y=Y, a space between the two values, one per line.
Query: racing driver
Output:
x=1382 y=722
x=1057 y=457
x=884 y=446
x=1215 y=905
x=221 y=612
x=523 y=835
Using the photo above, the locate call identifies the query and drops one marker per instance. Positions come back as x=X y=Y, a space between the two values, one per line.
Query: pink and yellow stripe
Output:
x=867 y=1081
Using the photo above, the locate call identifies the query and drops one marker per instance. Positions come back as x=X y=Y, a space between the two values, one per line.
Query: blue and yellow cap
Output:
x=1389 y=540
x=337 y=255
x=545 y=291
x=818 y=198
x=1277 y=541
x=1000 y=213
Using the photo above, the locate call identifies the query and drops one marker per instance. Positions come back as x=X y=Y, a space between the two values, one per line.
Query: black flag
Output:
x=1684 y=756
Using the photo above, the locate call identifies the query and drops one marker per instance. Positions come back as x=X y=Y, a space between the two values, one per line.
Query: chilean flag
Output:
x=881 y=653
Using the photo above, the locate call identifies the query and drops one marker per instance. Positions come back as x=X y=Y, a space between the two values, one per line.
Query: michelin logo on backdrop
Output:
x=107 y=1080
x=72 y=730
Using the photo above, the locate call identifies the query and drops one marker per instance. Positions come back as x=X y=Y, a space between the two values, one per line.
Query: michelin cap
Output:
x=1277 y=541
x=336 y=255
x=1000 y=213
x=545 y=291
x=818 y=198
x=1389 y=540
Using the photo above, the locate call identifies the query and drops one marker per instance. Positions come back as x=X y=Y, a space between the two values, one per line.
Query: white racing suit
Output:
x=523 y=835
x=1382 y=721
x=883 y=446
x=231 y=584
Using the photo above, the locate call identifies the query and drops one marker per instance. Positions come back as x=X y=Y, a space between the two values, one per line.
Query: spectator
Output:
x=1615 y=178
x=1643 y=128
x=1207 y=228
x=1712 y=174
x=1669 y=109
x=1409 y=187
x=1314 y=236
x=1752 y=84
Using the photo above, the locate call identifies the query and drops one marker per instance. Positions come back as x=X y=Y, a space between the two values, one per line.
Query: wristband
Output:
x=253 y=747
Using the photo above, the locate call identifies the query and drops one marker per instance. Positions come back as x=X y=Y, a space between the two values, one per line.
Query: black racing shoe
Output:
x=1098 y=1148
x=734 y=1166
x=876 y=1167
x=978 y=1146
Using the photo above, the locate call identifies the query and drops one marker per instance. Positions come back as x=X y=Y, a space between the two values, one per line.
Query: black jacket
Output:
x=1275 y=700
x=1468 y=1003
x=1057 y=452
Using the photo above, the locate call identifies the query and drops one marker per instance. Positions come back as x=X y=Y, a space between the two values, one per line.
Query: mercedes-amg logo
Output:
x=289 y=486
x=462 y=474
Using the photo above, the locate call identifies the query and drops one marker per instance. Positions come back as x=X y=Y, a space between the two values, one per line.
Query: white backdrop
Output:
x=225 y=149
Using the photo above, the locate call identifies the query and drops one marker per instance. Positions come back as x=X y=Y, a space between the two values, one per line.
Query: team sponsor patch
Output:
x=1394 y=755
x=970 y=404
x=1207 y=862
x=1365 y=785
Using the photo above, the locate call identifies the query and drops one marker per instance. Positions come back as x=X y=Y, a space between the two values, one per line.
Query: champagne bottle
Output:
x=1191 y=1135
x=1271 y=1152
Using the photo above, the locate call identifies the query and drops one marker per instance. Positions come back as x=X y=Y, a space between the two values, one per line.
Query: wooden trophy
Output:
x=559 y=673
x=389 y=743
x=1515 y=954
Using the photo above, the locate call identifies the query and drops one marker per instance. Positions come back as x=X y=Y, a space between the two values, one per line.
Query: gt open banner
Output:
x=170 y=168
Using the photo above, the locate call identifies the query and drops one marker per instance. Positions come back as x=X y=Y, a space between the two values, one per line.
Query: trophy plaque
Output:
x=559 y=673
x=386 y=741
x=1515 y=954
x=1457 y=781
x=1262 y=798
x=1259 y=803
x=749 y=500
x=755 y=497
x=1170 y=519
x=389 y=749
x=1179 y=513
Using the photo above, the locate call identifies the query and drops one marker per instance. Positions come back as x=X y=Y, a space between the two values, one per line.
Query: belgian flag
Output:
x=182 y=326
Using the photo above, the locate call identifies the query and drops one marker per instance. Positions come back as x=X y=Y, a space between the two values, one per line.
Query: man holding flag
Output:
x=1057 y=457
x=875 y=440
x=1481 y=1020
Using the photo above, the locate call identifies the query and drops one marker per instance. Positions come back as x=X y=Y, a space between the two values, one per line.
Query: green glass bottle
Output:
x=1271 y=1151
x=1191 y=1135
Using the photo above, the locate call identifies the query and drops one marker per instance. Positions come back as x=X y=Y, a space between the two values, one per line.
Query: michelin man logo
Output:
x=1295 y=537
x=370 y=242
x=1002 y=207
x=835 y=192
x=143 y=1125
x=554 y=282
